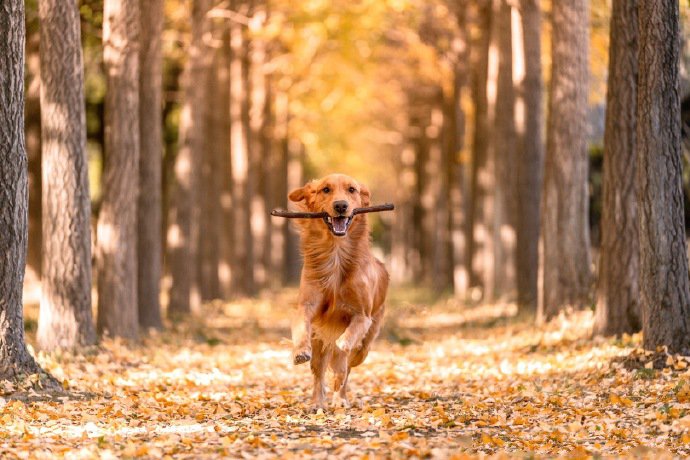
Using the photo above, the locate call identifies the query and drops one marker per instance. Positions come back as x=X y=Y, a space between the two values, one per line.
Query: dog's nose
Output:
x=340 y=207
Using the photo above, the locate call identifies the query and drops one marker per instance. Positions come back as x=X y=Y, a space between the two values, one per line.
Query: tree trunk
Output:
x=618 y=293
x=222 y=149
x=403 y=248
x=65 y=319
x=422 y=243
x=241 y=197
x=15 y=360
x=210 y=185
x=530 y=162
x=459 y=190
x=277 y=192
x=566 y=268
x=482 y=179
x=258 y=101
x=117 y=221
x=149 y=210
x=32 y=129
x=438 y=191
x=665 y=294
x=183 y=224
x=295 y=179
x=503 y=151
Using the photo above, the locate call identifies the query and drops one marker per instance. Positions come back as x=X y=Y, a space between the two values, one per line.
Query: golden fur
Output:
x=343 y=286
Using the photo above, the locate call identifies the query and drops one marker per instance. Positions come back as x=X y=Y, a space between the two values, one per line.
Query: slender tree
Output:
x=117 y=226
x=183 y=224
x=664 y=285
x=482 y=176
x=459 y=190
x=243 y=273
x=215 y=148
x=530 y=162
x=503 y=151
x=65 y=319
x=149 y=205
x=15 y=360
x=32 y=130
x=295 y=177
x=222 y=148
x=618 y=292
x=405 y=251
x=565 y=229
x=258 y=100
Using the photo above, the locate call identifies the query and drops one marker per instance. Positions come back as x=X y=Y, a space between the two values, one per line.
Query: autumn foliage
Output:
x=442 y=382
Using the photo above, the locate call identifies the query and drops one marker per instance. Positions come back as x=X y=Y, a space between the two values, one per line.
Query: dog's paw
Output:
x=339 y=401
x=302 y=357
x=317 y=405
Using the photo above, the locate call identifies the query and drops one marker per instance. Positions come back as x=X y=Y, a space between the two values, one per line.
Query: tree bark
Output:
x=183 y=224
x=210 y=184
x=503 y=151
x=566 y=242
x=32 y=130
x=664 y=287
x=243 y=245
x=617 y=310
x=149 y=204
x=403 y=249
x=117 y=221
x=459 y=190
x=258 y=100
x=65 y=319
x=482 y=178
x=15 y=360
x=226 y=241
x=277 y=185
x=530 y=162
x=295 y=179
x=437 y=189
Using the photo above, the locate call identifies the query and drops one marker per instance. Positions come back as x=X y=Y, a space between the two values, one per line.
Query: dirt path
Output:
x=443 y=381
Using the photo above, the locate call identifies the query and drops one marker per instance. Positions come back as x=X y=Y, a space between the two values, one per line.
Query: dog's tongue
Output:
x=340 y=224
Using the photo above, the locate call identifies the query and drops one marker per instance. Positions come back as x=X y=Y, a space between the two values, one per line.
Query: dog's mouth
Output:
x=338 y=225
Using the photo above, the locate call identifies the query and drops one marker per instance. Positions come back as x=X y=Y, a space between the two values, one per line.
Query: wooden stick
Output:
x=321 y=215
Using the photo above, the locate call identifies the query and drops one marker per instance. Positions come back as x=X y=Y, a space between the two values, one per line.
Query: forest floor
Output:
x=443 y=381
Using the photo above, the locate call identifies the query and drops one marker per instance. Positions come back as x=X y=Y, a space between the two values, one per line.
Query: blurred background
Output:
x=383 y=90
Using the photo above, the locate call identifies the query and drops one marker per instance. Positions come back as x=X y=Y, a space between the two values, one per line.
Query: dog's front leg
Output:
x=301 y=337
x=358 y=327
x=301 y=327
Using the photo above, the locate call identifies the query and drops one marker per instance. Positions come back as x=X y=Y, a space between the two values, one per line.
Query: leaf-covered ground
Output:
x=443 y=381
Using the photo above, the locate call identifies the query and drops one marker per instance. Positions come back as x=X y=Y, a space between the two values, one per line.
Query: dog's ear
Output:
x=302 y=193
x=365 y=194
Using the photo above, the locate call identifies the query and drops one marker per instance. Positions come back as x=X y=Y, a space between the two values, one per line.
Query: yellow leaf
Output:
x=379 y=412
x=400 y=436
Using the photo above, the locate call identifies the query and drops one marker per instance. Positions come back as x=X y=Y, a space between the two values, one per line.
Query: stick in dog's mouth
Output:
x=338 y=225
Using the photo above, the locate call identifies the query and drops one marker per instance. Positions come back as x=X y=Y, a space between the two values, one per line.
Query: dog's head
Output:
x=337 y=195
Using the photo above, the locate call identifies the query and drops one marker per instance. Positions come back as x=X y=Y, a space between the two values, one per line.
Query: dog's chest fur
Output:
x=331 y=269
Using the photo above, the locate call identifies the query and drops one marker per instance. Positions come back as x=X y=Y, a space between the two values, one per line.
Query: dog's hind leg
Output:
x=321 y=355
x=341 y=371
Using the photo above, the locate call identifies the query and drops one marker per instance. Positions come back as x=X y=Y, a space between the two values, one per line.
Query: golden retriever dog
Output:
x=343 y=286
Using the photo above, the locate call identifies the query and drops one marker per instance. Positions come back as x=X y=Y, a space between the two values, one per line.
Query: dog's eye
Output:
x=326 y=190
x=352 y=190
